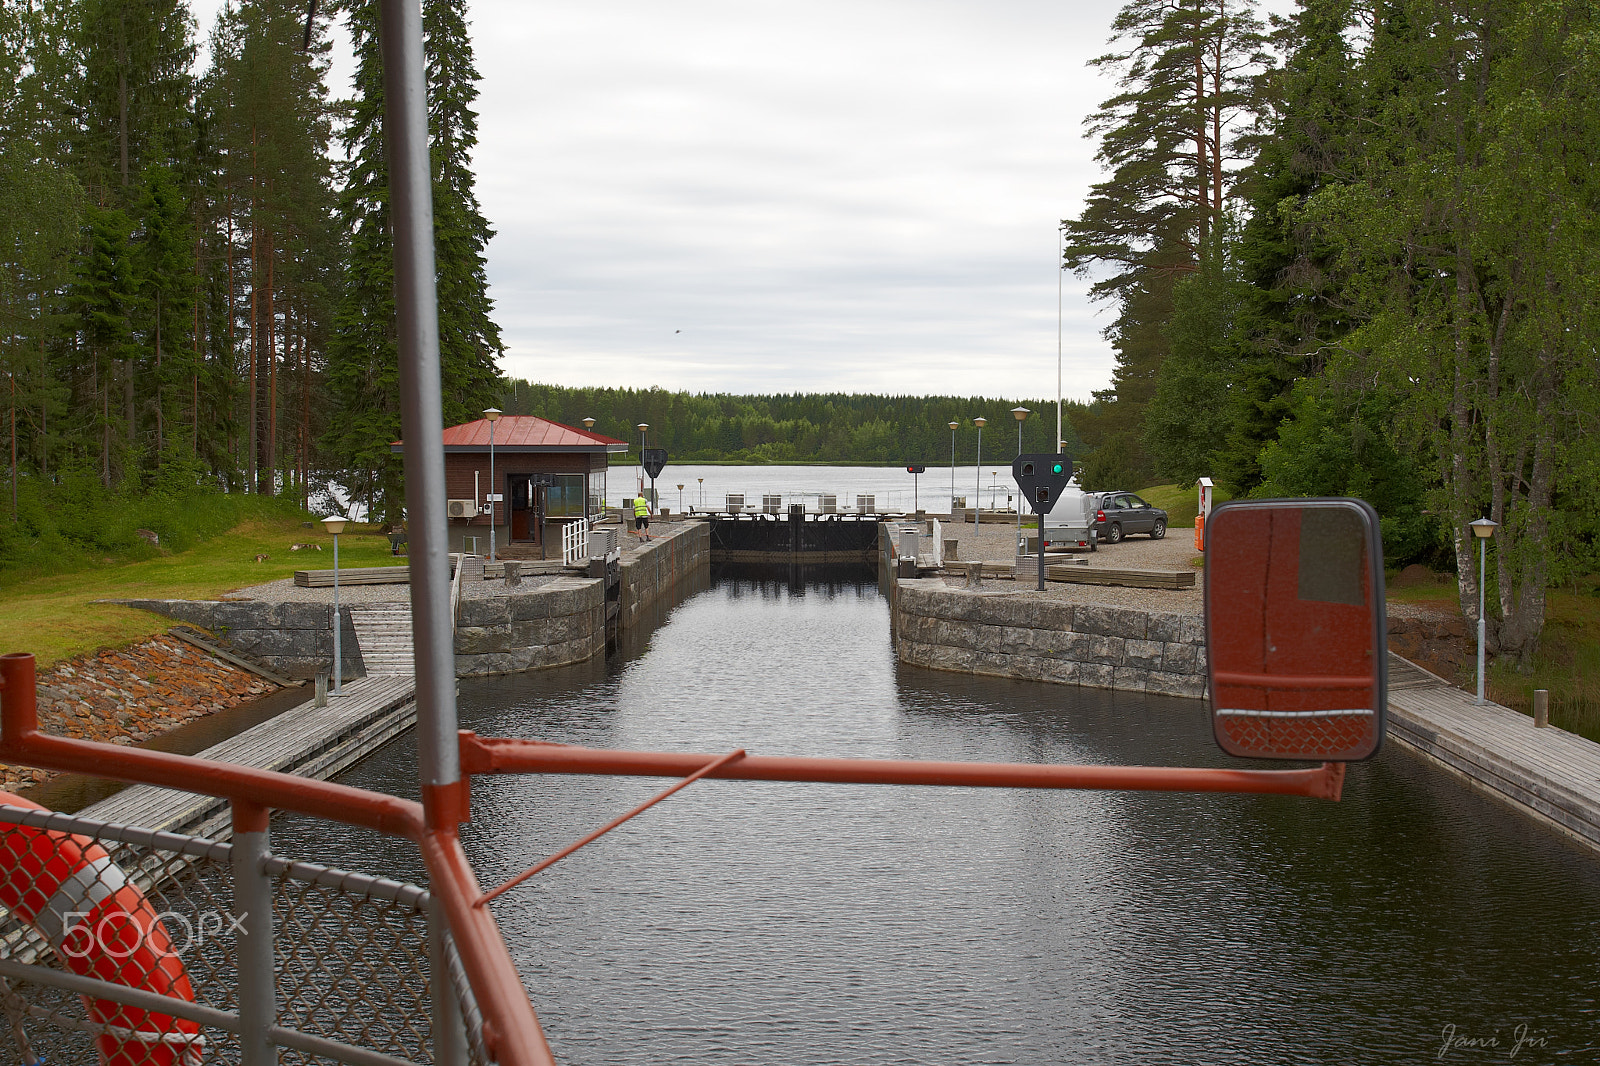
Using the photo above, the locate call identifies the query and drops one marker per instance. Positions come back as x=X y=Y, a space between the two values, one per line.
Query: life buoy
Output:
x=100 y=925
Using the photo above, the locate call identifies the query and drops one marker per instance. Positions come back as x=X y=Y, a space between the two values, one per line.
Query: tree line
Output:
x=1355 y=252
x=807 y=427
x=196 y=285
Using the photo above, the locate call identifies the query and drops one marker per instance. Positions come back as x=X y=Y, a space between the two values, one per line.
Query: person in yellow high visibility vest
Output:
x=641 y=518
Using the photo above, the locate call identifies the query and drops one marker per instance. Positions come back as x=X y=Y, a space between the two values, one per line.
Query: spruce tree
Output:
x=364 y=374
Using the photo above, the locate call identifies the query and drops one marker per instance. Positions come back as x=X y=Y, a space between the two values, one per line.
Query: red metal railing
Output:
x=512 y=1033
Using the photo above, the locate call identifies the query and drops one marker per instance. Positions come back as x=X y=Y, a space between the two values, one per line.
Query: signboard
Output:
x=654 y=460
x=1041 y=477
x=496 y=497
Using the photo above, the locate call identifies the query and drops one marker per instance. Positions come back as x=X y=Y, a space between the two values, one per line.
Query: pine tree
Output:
x=364 y=356
x=469 y=340
x=1174 y=140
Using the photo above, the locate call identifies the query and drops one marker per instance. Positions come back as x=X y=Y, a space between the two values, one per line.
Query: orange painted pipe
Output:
x=481 y=755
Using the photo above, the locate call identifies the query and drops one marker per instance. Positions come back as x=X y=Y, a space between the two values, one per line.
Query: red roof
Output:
x=512 y=431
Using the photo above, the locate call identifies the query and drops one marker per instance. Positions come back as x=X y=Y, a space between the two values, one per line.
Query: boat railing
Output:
x=277 y=954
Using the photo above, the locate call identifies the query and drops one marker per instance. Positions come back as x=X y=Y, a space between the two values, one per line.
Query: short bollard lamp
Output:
x=1021 y=415
x=492 y=415
x=335 y=525
x=1483 y=529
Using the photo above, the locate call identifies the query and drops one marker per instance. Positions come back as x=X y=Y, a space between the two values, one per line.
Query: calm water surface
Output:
x=799 y=924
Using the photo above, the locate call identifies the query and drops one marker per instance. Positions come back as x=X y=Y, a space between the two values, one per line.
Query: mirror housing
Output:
x=1297 y=661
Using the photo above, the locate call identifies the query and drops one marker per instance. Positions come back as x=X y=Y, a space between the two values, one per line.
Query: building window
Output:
x=564 y=498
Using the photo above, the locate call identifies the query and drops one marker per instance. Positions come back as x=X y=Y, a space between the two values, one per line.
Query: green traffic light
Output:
x=1056 y=469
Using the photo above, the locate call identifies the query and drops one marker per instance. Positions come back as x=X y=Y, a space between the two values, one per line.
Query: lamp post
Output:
x=702 y=492
x=644 y=431
x=588 y=496
x=1483 y=529
x=1021 y=415
x=680 y=499
x=977 y=487
x=335 y=525
x=953 y=427
x=493 y=415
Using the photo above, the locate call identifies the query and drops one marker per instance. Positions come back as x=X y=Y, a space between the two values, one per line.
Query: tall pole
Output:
x=405 y=129
x=1059 y=260
x=1021 y=414
x=977 y=487
x=953 y=427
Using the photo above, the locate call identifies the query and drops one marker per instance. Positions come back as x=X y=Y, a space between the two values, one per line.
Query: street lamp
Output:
x=335 y=525
x=1021 y=415
x=588 y=423
x=702 y=492
x=680 y=499
x=643 y=428
x=493 y=415
x=977 y=486
x=953 y=427
x=1483 y=529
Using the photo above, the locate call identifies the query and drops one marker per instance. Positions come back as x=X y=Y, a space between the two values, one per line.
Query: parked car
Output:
x=1120 y=513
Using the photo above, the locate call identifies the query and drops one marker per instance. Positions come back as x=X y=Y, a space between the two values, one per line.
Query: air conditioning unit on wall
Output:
x=461 y=508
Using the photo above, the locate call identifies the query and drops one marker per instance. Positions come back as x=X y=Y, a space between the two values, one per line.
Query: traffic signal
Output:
x=1041 y=478
x=915 y=468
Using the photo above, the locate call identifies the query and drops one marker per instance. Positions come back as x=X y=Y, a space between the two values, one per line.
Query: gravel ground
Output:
x=997 y=544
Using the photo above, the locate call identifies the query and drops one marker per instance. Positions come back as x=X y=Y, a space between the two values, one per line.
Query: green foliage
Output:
x=1339 y=444
x=73 y=523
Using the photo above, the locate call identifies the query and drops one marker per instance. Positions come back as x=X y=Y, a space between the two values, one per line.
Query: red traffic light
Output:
x=914 y=469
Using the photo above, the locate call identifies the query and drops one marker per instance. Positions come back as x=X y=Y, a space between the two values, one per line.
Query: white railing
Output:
x=575 y=543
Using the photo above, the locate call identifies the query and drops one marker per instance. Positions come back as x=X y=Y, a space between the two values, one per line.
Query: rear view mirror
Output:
x=1295 y=629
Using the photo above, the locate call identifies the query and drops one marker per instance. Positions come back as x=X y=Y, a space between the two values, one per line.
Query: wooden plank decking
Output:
x=315 y=742
x=1548 y=772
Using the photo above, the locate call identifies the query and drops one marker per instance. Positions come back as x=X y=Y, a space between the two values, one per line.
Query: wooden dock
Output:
x=315 y=742
x=1547 y=772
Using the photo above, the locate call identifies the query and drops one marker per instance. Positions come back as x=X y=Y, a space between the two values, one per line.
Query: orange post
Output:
x=1200 y=532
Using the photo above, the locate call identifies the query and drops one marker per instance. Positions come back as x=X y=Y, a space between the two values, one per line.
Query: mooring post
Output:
x=1541 y=708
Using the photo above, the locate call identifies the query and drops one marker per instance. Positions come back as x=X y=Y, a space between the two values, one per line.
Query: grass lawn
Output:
x=56 y=617
x=1182 y=504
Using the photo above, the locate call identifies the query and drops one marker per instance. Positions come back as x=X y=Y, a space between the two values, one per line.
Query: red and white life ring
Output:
x=101 y=925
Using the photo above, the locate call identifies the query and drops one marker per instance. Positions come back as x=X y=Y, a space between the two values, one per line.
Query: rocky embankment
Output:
x=129 y=695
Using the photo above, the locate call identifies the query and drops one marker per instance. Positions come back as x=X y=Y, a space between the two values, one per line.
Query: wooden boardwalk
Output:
x=1550 y=773
x=315 y=742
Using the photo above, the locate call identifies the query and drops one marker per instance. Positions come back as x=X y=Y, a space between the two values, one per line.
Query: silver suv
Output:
x=1117 y=514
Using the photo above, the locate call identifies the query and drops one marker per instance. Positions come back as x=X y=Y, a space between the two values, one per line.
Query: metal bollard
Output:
x=322 y=689
x=1541 y=708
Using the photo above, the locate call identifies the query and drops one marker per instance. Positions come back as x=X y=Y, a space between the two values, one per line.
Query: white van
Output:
x=1069 y=523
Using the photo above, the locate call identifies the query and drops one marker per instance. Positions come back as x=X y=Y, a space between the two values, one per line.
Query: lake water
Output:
x=894 y=489
x=811 y=924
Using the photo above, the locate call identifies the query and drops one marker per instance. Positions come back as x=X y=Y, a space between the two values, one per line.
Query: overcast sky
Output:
x=755 y=196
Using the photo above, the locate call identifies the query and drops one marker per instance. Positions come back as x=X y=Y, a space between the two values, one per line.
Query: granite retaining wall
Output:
x=654 y=571
x=554 y=623
x=560 y=622
x=1007 y=634
x=294 y=639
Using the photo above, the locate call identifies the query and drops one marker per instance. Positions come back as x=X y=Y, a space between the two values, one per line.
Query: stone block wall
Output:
x=1011 y=635
x=295 y=639
x=560 y=622
x=652 y=573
